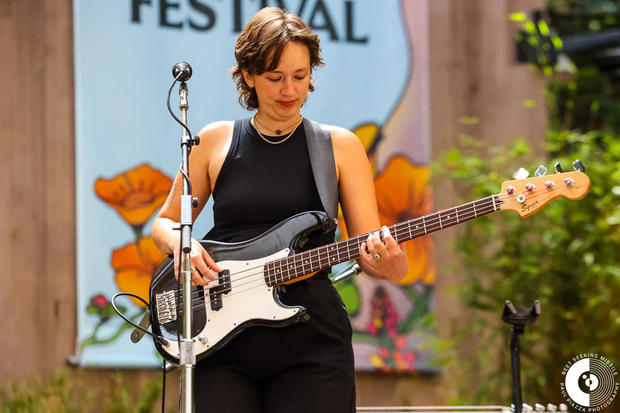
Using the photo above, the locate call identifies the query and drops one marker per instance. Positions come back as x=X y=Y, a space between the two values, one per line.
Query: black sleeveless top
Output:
x=261 y=184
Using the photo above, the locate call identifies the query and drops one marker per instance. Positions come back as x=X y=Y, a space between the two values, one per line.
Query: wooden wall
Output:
x=37 y=235
x=473 y=73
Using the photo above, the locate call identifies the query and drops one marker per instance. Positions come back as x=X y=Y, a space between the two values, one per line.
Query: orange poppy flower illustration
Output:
x=134 y=265
x=402 y=194
x=135 y=194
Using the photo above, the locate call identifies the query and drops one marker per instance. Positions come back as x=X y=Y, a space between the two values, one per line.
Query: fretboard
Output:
x=317 y=259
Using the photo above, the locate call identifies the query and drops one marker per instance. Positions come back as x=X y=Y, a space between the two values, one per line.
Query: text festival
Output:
x=199 y=15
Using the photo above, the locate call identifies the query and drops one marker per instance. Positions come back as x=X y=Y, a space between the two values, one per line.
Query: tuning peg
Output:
x=563 y=407
x=539 y=407
x=558 y=167
x=540 y=171
x=521 y=174
x=552 y=407
x=578 y=166
x=527 y=407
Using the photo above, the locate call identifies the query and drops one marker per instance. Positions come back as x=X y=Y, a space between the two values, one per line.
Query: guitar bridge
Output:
x=166 y=307
x=215 y=293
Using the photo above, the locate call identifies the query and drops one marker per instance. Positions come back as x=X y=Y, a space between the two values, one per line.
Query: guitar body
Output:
x=246 y=293
x=225 y=310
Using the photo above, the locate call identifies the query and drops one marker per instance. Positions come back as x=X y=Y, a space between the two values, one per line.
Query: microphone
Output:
x=184 y=69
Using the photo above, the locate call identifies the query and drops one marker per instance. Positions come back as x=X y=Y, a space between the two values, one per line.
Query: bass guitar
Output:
x=246 y=291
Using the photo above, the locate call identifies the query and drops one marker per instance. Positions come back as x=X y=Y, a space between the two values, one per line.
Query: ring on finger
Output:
x=376 y=257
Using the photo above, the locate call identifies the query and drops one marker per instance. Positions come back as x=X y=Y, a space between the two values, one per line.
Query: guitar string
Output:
x=347 y=244
x=250 y=279
x=428 y=221
x=250 y=284
x=398 y=230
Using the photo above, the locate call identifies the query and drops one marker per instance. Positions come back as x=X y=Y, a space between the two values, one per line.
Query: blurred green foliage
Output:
x=566 y=256
x=68 y=391
x=589 y=100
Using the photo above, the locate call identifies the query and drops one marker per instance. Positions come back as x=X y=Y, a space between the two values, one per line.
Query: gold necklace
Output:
x=281 y=140
x=277 y=131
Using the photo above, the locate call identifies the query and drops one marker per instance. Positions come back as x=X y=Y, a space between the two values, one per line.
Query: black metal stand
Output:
x=518 y=318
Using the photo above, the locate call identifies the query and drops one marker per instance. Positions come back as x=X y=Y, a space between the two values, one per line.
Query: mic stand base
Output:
x=518 y=318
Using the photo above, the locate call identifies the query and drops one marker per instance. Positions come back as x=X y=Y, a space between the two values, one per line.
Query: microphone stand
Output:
x=187 y=356
x=518 y=318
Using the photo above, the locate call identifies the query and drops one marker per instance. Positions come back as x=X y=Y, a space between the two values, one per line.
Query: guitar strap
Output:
x=319 y=142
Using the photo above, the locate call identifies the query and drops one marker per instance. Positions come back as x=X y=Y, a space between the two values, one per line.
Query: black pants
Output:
x=307 y=367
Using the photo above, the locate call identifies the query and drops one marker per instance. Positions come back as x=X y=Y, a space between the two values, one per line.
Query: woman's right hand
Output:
x=203 y=266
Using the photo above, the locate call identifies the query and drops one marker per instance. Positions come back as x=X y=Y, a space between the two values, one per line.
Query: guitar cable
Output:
x=159 y=339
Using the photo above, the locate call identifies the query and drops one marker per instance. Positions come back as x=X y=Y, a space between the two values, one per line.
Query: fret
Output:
x=330 y=256
x=448 y=218
x=316 y=259
x=290 y=268
x=319 y=259
x=293 y=266
x=416 y=227
x=276 y=272
x=281 y=271
x=348 y=244
x=337 y=259
x=299 y=264
x=394 y=232
x=357 y=246
x=271 y=274
x=285 y=274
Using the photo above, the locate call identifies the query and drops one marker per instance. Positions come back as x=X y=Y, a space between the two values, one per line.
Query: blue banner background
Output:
x=123 y=72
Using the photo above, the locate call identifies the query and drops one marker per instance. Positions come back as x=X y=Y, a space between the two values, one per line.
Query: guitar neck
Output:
x=317 y=259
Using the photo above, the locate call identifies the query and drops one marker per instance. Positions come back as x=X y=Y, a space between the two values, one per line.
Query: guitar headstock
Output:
x=528 y=195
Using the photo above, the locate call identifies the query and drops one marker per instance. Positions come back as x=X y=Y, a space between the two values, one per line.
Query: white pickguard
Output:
x=250 y=298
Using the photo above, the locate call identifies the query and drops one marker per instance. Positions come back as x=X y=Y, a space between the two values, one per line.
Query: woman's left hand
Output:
x=384 y=260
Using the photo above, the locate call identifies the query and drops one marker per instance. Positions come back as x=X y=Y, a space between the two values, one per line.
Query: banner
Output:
x=375 y=83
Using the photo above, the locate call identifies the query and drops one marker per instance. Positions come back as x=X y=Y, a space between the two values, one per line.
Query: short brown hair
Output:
x=267 y=32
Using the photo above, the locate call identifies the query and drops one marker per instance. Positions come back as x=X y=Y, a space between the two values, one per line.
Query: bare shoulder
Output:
x=216 y=131
x=339 y=133
x=213 y=138
x=346 y=144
